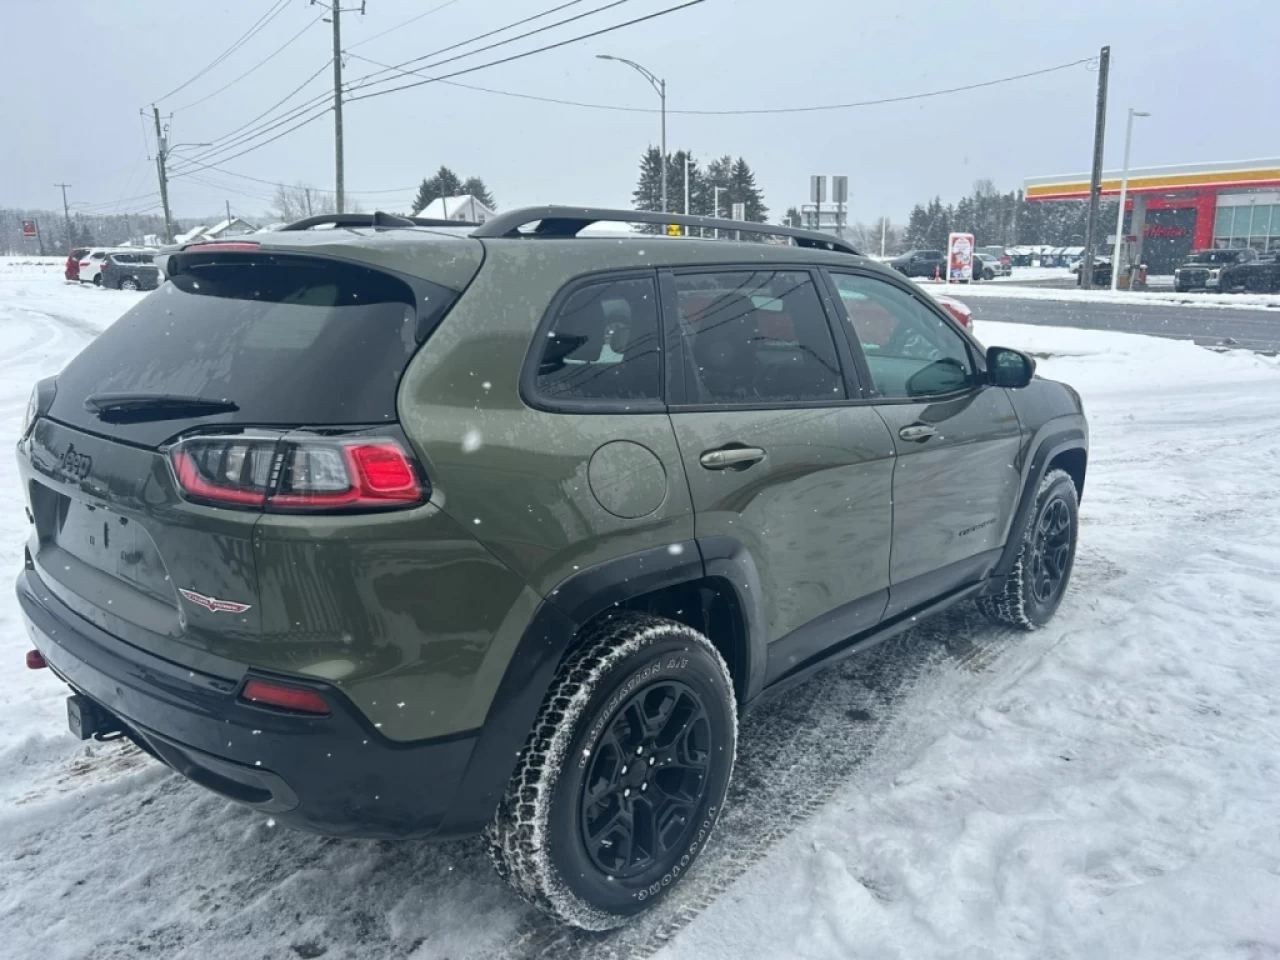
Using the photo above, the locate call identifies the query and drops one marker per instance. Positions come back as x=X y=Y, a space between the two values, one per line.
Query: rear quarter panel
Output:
x=516 y=477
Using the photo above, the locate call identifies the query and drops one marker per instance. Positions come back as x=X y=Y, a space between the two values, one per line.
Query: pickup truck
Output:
x=1201 y=271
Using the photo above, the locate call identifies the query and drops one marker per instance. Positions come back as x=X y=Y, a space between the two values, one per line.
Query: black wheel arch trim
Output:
x=1072 y=438
x=551 y=632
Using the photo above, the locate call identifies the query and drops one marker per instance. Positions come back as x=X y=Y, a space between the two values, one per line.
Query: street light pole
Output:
x=660 y=86
x=1124 y=190
x=716 y=192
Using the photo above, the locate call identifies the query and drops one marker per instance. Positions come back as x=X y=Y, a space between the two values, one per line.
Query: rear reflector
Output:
x=35 y=660
x=282 y=697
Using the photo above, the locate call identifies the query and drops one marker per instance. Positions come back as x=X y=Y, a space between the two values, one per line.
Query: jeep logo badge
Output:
x=75 y=464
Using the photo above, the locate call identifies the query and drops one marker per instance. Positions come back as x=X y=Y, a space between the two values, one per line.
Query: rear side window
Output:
x=603 y=344
x=289 y=340
x=756 y=337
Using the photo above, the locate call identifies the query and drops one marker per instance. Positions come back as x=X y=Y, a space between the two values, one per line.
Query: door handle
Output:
x=919 y=432
x=728 y=457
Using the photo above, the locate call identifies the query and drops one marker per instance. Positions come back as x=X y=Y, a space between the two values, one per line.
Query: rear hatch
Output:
x=253 y=381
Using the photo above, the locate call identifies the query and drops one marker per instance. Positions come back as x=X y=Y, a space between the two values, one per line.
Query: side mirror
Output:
x=1009 y=368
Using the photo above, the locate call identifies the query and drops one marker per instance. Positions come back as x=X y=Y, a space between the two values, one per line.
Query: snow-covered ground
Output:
x=1105 y=787
x=1026 y=274
x=1226 y=301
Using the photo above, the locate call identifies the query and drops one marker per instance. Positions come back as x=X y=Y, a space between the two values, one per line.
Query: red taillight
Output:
x=84 y=263
x=229 y=246
x=304 y=475
x=35 y=660
x=281 y=697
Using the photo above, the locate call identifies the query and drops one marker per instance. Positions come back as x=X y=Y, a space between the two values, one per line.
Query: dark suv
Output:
x=399 y=529
x=130 y=271
x=921 y=263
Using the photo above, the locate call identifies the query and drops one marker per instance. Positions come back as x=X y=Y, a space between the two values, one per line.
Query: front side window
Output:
x=756 y=337
x=910 y=350
x=603 y=344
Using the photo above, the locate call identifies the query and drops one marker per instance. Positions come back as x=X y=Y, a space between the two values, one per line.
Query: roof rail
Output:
x=568 y=221
x=376 y=219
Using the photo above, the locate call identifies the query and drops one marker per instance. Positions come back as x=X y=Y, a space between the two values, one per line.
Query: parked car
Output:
x=400 y=537
x=1202 y=269
x=960 y=311
x=1259 y=275
x=130 y=271
x=1101 y=272
x=921 y=263
x=72 y=270
x=991 y=266
x=91 y=264
x=1001 y=254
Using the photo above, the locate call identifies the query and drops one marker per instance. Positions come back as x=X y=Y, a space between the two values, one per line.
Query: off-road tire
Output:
x=1017 y=604
x=538 y=839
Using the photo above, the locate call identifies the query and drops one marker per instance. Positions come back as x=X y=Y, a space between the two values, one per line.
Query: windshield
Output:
x=288 y=340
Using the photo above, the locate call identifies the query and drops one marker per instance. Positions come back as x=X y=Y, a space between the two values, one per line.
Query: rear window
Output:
x=289 y=340
x=133 y=258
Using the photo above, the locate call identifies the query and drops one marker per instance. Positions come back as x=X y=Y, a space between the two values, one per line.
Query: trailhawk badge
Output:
x=213 y=604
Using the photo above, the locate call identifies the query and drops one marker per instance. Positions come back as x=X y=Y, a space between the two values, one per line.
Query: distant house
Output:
x=235 y=227
x=466 y=208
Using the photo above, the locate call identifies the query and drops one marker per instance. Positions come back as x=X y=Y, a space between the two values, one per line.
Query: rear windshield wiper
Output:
x=121 y=407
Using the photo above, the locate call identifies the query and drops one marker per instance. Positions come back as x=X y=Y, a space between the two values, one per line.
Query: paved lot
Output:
x=1251 y=329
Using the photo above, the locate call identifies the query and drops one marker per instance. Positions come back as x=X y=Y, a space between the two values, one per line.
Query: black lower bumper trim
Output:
x=334 y=775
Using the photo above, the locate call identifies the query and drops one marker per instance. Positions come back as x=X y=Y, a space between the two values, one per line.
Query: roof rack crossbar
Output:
x=554 y=221
x=375 y=219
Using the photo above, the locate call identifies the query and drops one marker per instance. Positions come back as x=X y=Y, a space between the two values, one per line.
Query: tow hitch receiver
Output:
x=87 y=720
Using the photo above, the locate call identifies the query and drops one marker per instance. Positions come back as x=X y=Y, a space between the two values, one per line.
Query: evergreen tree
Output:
x=791 y=218
x=648 y=192
x=743 y=190
x=445 y=183
x=474 y=186
x=675 y=185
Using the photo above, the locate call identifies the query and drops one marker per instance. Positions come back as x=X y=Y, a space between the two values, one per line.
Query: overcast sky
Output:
x=77 y=72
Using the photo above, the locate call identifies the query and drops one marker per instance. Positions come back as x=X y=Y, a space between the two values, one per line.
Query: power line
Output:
x=244 y=38
x=293 y=111
x=743 y=112
x=215 y=168
x=260 y=63
x=447 y=3
x=235 y=138
x=530 y=53
x=490 y=33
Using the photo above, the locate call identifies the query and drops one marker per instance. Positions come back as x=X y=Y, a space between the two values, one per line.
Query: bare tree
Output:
x=302 y=200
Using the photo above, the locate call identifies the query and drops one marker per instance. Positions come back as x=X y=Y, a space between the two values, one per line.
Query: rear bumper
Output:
x=335 y=775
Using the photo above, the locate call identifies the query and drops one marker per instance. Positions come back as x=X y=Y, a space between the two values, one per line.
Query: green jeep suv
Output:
x=392 y=528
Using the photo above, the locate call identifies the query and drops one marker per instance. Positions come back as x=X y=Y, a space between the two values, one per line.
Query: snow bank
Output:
x=1226 y=301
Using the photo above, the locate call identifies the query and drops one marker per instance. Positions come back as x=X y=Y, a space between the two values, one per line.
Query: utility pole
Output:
x=228 y=203
x=336 y=9
x=1095 y=181
x=66 y=212
x=884 y=234
x=162 y=149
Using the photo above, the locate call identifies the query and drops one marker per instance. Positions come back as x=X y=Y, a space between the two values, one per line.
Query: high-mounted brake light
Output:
x=229 y=246
x=296 y=475
x=296 y=699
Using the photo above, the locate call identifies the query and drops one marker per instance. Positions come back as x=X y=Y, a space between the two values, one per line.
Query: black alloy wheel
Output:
x=647 y=778
x=1051 y=551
